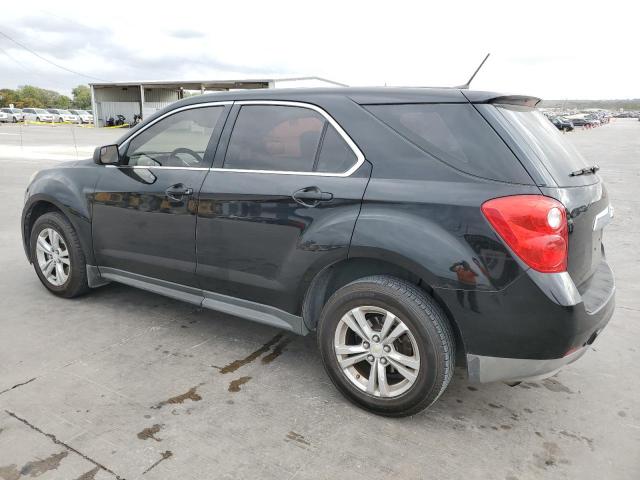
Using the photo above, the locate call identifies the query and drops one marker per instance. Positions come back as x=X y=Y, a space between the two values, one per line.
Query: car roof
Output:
x=360 y=95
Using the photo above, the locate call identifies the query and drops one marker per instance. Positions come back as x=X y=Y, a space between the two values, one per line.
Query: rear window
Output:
x=544 y=142
x=457 y=135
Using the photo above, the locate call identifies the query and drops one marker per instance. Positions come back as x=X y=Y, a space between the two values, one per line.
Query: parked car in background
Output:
x=582 y=120
x=83 y=115
x=562 y=123
x=594 y=119
x=402 y=225
x=37 y=115
x=60 y=115
x=14 y=115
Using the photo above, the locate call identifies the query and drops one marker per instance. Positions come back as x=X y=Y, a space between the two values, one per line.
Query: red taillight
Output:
x=534 y=226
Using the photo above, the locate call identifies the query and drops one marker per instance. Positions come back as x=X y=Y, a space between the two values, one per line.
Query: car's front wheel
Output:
x=386 y=345
x=57 y=256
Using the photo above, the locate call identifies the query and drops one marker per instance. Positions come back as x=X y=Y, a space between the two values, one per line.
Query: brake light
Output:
x=534 y=226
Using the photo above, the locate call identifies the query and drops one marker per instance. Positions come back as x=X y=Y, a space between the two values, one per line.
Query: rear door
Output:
x=144 y=211
x=280 y=204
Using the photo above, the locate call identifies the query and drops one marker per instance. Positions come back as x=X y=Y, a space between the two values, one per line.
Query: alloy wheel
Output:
x=53 y=257
x=376 y=351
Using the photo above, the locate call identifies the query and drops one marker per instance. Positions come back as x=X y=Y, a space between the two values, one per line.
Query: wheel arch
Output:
x=39 y=205
x=335 y=276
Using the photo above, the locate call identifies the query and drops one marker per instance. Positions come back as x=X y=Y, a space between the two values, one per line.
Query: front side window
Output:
x=179 y=140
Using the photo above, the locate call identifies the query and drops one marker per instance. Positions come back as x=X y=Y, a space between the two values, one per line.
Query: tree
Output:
x=82 y=97
x=34 y=97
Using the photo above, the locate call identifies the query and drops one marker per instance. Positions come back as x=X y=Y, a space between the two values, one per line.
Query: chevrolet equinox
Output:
x=411 y=229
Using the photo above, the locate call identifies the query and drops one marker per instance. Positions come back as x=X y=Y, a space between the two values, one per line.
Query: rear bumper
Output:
x=532 y=328
x=482 y=369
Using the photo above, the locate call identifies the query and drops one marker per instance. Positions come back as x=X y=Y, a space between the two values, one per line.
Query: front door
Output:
x=144 y=211
x=283 y=205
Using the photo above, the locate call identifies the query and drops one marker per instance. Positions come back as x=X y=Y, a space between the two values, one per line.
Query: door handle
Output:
x=311 y=196
x=177 y=191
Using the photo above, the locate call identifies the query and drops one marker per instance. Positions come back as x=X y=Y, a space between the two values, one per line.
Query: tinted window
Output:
x=335 y=155
x=543 y=141
x=457 y=135
x=270 y=137
x=179 y=140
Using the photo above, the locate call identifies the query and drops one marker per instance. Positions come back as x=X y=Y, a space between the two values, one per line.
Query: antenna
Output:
x=466 y=85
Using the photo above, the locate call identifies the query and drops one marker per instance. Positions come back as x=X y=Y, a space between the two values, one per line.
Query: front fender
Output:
x=69 y=190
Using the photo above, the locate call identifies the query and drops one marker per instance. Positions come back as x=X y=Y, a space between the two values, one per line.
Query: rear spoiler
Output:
x=516 y=100
x=474 y=96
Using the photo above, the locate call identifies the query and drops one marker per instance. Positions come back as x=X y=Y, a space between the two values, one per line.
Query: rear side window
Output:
x=273 y=137
x=335 y=155
x=286 y=138
x=457 y=135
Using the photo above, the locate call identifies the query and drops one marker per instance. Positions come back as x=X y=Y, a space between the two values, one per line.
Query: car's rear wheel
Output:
x=386 y=345
x=57 y=256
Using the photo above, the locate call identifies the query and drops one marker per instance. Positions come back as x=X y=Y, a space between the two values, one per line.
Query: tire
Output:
x=428 y=344
x=37 y=119
x=15 y=120
x=72 y=281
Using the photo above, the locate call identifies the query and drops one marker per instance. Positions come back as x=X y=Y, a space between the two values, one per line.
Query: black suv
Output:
x=409 y=228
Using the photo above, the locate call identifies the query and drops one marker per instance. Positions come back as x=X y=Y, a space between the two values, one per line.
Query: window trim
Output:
x=354 y=148
x=122 y=148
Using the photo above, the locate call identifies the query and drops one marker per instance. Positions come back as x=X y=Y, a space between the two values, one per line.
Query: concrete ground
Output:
x=127 y=384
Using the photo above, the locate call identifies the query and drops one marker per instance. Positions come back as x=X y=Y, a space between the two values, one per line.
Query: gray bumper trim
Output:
x=483 y=369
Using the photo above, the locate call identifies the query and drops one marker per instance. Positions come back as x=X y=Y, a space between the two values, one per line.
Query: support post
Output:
x=94 y=106
x=142 y=101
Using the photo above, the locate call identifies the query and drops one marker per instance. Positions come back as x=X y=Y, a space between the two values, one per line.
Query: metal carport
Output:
x=134 y=98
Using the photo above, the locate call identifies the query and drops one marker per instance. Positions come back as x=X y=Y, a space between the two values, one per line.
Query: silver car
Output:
x=13 y=115
x=60 y=115
x=83 y=115
x=37 y=115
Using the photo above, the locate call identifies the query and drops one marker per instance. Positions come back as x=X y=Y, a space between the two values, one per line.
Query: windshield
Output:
x=64 y=112
x=81 y=112
x=547 y=144
x=41 y=110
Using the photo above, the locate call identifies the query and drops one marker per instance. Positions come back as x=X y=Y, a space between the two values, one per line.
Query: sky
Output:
x=550 y=49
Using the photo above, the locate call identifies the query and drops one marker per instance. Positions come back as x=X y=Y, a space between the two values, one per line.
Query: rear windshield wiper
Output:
x=585 y=171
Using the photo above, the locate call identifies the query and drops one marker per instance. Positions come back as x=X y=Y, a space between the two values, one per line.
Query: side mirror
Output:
x=107 y=155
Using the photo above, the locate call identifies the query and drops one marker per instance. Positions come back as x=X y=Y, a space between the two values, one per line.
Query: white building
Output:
x=134 y=98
